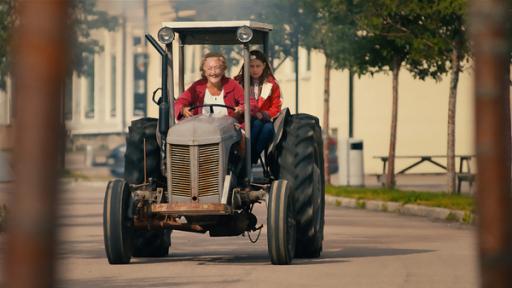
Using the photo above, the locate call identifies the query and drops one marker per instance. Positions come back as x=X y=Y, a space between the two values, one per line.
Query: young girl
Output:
x=265 y=90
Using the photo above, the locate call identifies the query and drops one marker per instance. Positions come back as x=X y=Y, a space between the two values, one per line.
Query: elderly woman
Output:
x=213 y=88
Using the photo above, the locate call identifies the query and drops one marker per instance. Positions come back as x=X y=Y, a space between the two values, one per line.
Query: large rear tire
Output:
x=301 y=163
x=146 y=243
x=152 y=243
x=117 y=226
x=280 y=224
x=140 y=131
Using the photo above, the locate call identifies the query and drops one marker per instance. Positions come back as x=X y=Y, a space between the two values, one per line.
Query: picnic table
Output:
x=463 y=174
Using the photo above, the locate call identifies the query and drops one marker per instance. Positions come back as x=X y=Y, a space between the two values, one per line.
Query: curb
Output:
x=407 y=209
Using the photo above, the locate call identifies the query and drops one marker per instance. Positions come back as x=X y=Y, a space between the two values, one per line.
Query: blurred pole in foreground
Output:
x=494 y=205
x=40 y=48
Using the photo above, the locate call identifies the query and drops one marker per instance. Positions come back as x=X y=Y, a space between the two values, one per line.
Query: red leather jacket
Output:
x=269 y=100
x=194 y=95
x=270 y=97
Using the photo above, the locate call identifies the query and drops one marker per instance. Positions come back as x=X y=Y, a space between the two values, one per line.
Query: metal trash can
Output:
x=352 y=162
x=89 y=156
x=6 y=173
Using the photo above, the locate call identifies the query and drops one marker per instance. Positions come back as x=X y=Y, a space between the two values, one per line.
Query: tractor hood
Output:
x=203 y=129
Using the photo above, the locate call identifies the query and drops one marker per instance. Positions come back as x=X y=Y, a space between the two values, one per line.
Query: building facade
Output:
x=99 y=107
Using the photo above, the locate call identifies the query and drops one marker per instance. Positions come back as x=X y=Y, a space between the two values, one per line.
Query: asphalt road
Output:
x=361 y=249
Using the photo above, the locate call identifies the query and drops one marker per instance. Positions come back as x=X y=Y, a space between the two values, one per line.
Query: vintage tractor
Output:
x=196 y=176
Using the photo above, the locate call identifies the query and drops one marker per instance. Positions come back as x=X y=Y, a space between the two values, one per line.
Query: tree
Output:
x=83 y=16
x=7 y=20
x=324 y=18
x=451 y=28
x=391 y=34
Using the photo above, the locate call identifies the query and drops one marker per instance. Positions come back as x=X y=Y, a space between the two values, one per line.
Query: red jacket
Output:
x=270 y=97
x=269 y=100
x=194 y=95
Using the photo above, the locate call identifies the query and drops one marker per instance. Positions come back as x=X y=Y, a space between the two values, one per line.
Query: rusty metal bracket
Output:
x=191 y=209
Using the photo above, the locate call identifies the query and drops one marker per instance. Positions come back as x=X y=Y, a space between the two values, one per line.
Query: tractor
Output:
x=196 y=175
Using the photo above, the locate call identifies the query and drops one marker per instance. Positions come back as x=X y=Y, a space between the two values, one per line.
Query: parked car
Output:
x=333 y=155
x=115 y=161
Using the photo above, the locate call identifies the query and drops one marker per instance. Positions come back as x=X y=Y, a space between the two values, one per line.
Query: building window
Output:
x=113 y=88
x=308 y=61
x=193 y=62
x=139 y=84
x=68 y=98
x=89 y=107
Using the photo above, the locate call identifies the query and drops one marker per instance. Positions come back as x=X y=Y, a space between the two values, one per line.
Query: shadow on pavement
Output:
x=364 y=251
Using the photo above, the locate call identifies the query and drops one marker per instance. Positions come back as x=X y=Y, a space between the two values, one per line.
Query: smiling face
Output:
x=213 y=69
x=256 y=68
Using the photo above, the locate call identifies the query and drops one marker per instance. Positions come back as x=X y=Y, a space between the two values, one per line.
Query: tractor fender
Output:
x=279 y=124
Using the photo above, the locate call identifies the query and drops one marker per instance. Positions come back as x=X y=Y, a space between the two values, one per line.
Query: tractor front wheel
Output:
x=117 y=226
x=280 y=224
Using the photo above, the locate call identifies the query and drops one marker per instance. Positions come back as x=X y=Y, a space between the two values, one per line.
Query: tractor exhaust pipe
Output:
x=166 y=106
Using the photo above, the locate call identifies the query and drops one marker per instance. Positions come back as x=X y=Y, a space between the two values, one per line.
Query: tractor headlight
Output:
x=165 y=35
x=244 y=34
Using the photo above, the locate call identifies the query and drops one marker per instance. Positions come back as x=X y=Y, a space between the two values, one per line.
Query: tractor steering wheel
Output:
x=211 y=107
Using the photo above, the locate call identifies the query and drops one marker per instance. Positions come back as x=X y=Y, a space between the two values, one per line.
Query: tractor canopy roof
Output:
x=217 y=32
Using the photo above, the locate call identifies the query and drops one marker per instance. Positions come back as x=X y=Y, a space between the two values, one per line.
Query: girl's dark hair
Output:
x=256 y=54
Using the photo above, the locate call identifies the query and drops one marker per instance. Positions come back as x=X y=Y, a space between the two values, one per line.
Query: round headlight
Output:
x=165 y=35
x=244 y=34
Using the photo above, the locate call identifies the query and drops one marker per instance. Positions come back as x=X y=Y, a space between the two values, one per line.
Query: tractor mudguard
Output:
x=279 y=123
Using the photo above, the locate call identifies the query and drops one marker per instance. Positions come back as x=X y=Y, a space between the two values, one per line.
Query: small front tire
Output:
x=117 y=224
x=281 y=232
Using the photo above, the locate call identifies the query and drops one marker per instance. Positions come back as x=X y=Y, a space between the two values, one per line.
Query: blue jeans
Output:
x=262 y=134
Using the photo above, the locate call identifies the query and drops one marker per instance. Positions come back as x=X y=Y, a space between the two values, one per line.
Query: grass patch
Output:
x=431 y=199
x=74 y=175
x=451 y=217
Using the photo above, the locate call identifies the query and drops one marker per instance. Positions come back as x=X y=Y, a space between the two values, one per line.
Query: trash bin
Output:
x=6 y=173
x=89 y=156
x=352 y=162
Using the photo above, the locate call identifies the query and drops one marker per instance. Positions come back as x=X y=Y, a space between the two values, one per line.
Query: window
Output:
x=139 y=84
x=113 y=88
x=89 y=107
x=308 y=61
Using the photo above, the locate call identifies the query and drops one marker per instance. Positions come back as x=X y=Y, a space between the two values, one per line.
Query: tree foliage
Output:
x=288 y=18
x=83 y=16
x=7 y=20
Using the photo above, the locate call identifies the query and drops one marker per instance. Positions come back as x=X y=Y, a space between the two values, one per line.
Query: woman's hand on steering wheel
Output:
x=211 y=107
x=187 y=111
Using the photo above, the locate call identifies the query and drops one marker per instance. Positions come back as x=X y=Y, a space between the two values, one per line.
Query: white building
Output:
x=103 y=104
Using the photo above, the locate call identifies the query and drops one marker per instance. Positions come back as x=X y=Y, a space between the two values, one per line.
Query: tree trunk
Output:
x=327 y=83
x=390 y=177
x=452 y=104
x=508 y=132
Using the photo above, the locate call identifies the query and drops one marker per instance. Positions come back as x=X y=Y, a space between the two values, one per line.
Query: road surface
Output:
x=361 y=249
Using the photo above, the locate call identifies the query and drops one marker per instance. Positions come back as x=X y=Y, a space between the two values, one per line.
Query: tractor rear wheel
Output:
x=152 y=243
x=142 y=132
x=117 y=228
x=301 y=163
x=280 y=224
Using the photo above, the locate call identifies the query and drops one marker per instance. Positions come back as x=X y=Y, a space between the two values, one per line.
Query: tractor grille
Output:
x=194 y=170
x=180 y=170
x=208 y=167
